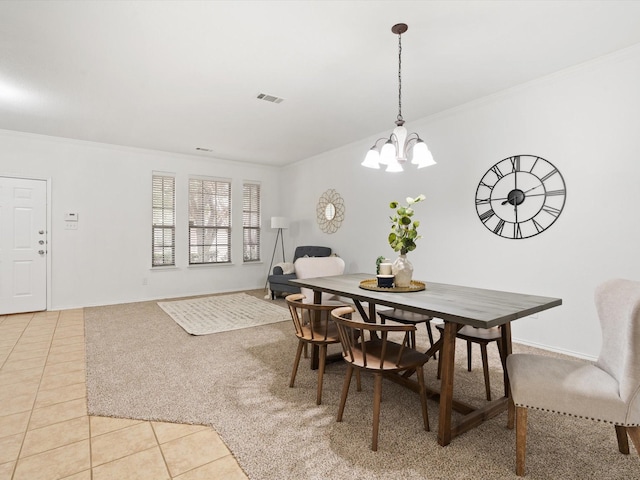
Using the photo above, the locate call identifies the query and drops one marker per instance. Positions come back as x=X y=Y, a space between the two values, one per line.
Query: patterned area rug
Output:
x=221 y=313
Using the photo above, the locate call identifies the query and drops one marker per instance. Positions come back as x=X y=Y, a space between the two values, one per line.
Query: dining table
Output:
x=457 y=306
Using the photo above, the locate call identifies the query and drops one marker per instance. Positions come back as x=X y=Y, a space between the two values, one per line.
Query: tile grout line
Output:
x=155 y=435
x=15 y=467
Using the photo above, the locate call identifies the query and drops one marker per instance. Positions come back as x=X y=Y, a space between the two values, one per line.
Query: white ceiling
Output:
x=175 y=76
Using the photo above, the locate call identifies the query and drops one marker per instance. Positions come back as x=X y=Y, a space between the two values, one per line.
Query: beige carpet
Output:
x=141 y=364
x=222 y=313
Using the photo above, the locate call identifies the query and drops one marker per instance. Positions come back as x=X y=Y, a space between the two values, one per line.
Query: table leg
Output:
x=362 y=312
x=447 y=355
x=506 y=348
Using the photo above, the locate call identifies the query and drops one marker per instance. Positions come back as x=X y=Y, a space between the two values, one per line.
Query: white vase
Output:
x=403 y=271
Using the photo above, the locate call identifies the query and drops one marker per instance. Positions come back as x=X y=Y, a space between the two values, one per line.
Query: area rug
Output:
x=142 y=365
x=221 y=313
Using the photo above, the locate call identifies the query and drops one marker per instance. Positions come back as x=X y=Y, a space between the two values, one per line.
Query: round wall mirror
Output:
x=330 y=211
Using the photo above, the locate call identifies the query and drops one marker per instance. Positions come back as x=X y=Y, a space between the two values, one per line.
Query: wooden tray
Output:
x=372 y=284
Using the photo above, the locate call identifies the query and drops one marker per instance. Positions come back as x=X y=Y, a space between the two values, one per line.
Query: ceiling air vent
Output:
x=269 y=98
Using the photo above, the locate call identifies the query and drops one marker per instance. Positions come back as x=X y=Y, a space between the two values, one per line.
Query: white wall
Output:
x=108 y=258
x=585 y=120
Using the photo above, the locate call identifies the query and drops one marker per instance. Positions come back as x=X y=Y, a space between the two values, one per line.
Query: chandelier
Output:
x=396 y=150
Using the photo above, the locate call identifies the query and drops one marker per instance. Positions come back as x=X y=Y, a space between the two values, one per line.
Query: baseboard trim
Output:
x=556 y=350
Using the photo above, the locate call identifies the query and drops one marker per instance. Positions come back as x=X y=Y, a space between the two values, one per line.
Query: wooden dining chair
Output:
x=313 y=326
x=408 y=318
x=380 y=356
x=482 y=337
x=607 y=391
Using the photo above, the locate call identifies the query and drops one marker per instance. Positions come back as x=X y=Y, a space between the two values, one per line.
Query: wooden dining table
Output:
x=457 y=306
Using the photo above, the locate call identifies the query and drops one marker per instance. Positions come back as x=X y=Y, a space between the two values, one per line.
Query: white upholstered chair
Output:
x=607 y=391
x=311 y=267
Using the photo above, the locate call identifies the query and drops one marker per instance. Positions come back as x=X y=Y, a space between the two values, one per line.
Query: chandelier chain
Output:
x=400 y=77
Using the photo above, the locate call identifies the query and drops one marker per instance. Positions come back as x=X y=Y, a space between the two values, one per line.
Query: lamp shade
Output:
x=279 y=222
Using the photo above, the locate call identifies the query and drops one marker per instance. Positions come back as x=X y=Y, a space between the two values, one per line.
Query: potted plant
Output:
x=403 y=237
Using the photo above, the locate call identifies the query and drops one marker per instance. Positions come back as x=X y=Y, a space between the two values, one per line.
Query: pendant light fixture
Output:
x=395 y=150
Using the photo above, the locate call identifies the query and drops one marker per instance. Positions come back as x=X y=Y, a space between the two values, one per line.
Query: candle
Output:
x=385 y=269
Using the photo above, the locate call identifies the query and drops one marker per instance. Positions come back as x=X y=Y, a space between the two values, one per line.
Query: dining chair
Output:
x=313 y=326
x=311 y=267
x=380 y=356
x=606 y=391
x=408 y=318
x=482 y=337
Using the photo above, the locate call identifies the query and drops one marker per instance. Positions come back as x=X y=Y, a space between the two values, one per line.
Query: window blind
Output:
x=209 y=221
x=251 y=222
x=163 y=236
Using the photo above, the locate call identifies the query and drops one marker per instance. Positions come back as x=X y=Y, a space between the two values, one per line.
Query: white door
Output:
x=23 y=245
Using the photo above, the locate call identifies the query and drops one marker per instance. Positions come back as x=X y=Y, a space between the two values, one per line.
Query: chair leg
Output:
x=345 y=392
x=296 y=362
x=323 y=361
x=430 y=333
x=485 y=369
x=423 y=397
x=377 y=394
x=521 y=439
x=634 y=433
x=358 y=384
x=468 y=355
x=412 y=340
x=623 y=441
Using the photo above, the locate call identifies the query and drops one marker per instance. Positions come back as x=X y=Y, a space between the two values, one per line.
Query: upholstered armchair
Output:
x=607 y=391
x=319 y=267
x=279 y=281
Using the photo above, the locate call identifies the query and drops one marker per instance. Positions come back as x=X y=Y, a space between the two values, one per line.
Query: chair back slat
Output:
x=380 y=352
x=312 y=322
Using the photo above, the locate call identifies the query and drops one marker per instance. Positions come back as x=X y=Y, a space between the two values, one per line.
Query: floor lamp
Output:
x=280 y=223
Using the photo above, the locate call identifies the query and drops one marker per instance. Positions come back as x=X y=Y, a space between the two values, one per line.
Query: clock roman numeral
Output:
x=495 y=169
x=534 y=164
x=487 y=215
x=484 y=184
x=553 y=193
x=517 y=232
x=499 y=228
x=539 y=227
x=515 y=164
x=551 y=210
x=551 y=173
x=482 y=201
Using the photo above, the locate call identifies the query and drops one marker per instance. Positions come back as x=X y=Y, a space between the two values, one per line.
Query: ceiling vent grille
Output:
x=269 y=98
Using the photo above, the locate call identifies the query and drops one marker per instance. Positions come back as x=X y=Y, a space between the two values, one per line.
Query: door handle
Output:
x=41 y=252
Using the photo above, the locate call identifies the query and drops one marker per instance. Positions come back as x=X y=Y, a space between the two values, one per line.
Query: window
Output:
x=163 y=234
x=209 y=221
x=251 y=222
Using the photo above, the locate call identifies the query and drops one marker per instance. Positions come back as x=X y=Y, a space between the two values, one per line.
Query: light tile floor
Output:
x=45 y=432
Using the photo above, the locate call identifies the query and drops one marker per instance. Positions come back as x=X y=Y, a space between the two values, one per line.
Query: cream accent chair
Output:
x=607 y=391
x=312 y=267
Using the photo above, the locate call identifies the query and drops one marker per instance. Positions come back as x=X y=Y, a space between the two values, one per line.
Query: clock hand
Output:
x=524 y=193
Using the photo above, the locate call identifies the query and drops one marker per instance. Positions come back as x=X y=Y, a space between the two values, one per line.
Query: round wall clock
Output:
x=520 y=196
